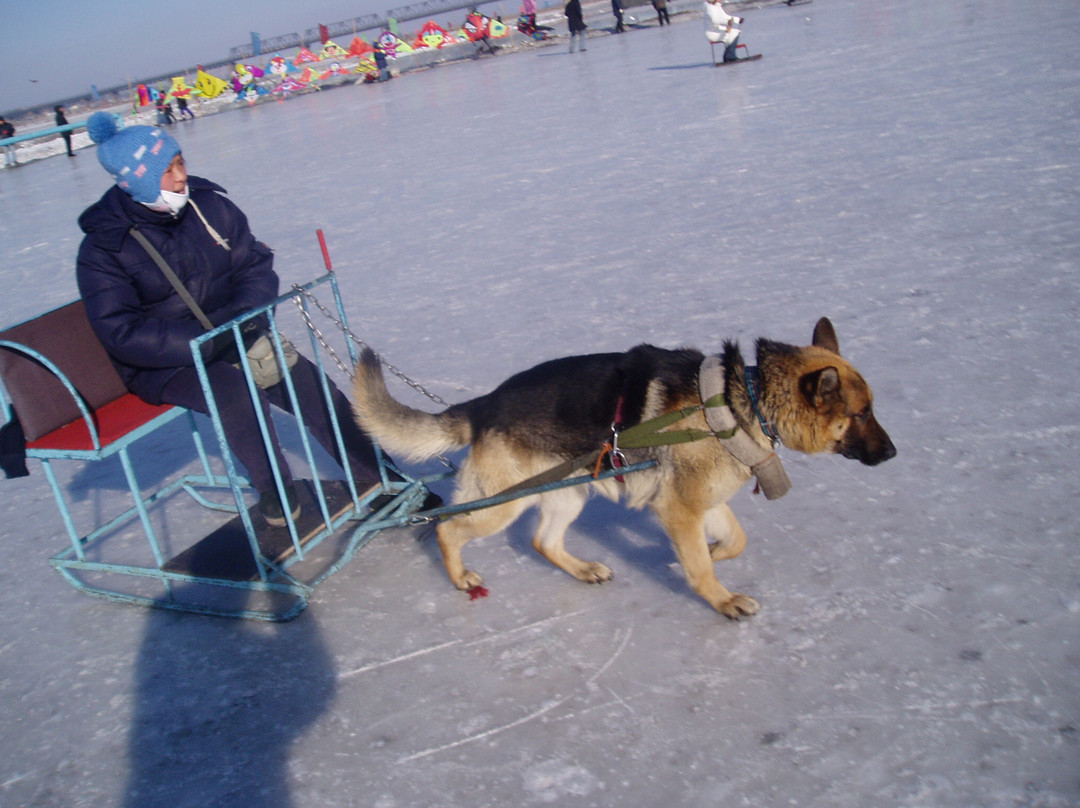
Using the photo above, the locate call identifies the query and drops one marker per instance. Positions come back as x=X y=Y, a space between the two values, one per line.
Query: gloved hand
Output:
x=221 y=348
x=252 y=330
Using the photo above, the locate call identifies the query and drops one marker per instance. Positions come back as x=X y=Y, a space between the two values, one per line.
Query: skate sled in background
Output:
x=720 y=30
x=58 y=382
x=746 y=57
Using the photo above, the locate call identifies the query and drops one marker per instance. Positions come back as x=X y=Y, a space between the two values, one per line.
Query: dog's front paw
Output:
x=738 y=606
x=469 y=580
x=594 y=573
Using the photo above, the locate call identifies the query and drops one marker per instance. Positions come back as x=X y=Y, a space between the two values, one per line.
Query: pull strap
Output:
x=173 y=279
x=647 y=434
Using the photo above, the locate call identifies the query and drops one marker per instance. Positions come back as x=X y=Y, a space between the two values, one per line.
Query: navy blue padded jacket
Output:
x=143 y=323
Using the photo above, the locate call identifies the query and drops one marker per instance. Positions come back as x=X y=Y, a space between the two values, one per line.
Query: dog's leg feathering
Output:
x=558 y=509
x=721 y=524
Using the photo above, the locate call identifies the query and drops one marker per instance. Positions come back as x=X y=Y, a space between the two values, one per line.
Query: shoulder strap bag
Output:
x=261 y=358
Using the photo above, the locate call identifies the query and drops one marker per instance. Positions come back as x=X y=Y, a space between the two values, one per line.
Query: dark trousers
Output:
x=730 y=52
x=662 y=15
x=242 y=428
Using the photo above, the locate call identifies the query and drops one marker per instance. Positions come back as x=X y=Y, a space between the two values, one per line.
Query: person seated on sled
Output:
x=720 y=27
x=146 y=327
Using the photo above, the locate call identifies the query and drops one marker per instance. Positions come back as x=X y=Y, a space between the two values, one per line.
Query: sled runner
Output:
x=753 y=58
x=741 y=46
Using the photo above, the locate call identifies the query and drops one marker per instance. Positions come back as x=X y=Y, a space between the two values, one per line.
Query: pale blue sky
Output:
x=50 y=49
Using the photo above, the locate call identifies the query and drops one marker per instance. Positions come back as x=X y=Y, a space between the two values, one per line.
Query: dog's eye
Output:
x=864 y=415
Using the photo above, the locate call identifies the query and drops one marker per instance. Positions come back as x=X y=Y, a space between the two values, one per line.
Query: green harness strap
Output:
x=644 y=435
x=648 y=433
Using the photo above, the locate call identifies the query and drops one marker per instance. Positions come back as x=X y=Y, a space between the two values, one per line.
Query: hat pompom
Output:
x=101 y=126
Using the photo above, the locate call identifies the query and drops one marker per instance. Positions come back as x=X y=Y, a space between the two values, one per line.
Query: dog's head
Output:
x=826 y=405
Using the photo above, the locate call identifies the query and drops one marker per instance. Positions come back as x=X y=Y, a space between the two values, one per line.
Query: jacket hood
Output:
x=108 y=220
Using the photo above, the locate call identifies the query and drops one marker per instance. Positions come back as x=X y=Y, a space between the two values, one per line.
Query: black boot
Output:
x=270 y=506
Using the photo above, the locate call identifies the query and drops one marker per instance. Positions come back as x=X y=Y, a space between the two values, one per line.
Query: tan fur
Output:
x=817 y=400
x=402 y=430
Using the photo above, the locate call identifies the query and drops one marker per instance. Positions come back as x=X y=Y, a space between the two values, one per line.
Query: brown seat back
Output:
x=64 y=337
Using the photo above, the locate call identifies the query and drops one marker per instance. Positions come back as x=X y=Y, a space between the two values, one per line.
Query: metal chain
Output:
x=348 y=371
x=349 y=333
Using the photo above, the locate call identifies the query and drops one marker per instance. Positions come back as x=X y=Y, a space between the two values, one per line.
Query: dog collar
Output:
x=765 y=465
x=753 y=382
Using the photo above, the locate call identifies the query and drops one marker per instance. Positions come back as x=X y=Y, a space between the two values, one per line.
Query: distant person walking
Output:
x=181 y=104
x=6 y=131
x=661 y=11
x=576 y=22
x=616 y=9
x=164 y=111
x=61 y=120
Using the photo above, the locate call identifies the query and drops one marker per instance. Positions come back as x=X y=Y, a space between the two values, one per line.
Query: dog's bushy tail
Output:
x=402 y=430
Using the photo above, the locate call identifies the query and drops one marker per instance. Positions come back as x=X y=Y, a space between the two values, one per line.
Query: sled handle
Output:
x=325 y=252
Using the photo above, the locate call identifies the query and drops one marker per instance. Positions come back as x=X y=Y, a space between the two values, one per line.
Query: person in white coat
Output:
x=720 y=28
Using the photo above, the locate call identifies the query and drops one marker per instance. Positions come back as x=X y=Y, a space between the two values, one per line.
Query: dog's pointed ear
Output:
x=821 y=386
x=825 y=336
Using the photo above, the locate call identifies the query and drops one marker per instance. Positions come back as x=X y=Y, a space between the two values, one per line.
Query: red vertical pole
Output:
x=325 y=252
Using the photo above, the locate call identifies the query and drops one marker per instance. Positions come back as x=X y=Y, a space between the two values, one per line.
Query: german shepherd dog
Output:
x=808 y=398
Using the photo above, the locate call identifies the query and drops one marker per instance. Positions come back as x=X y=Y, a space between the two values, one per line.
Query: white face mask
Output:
x=169 y=202
x=175 y=202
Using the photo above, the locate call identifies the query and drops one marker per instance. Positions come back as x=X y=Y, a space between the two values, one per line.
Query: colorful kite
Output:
x=331 y=50
x=393 y=45
x=336 y=69
x=251 y=93
x=243 y=77
x=432 y=36
x=209 y=86
x=359 y=48
x=280 y=66
x=304 y=56
x=368 y=67
x=291 y=85
x=180 y=88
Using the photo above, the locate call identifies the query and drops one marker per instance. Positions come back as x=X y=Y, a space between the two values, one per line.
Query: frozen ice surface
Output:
x=909 y=169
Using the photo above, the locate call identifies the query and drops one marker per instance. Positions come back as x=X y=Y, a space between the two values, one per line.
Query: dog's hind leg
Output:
x=685 y=527
x=455 y=533
x=490 y=467
x=558 y=510
x=721 y=524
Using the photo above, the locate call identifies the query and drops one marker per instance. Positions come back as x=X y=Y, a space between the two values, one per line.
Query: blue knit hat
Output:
x=136 y=156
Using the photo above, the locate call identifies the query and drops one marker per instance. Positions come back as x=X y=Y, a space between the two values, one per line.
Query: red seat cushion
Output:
x=113 y=421
x=64 y=336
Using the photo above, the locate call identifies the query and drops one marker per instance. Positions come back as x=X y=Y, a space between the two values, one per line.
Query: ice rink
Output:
x=909 y=169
